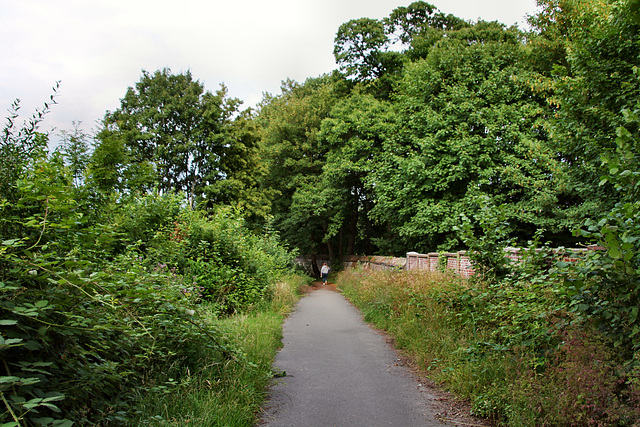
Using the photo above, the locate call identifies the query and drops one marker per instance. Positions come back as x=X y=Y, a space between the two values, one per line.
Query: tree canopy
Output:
x=434 y=112
x=172 y=134
x=426 y=114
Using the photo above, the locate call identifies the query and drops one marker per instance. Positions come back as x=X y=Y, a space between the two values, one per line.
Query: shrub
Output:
x=580 y=385
x=91 y=312
x=512 y=348
x=605 y=287
x=77 y=337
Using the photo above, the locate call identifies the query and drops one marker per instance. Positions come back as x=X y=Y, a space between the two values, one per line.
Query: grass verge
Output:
x=513 y=351
x=227 y=391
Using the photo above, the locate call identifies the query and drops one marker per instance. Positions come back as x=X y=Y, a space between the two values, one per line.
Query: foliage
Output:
x=408 y=23
x=197 y=142
x=228 y=393
x=91 y=311
x=466 y=108
x=510 y=347
x=290 y=124
x=436 y=133
x=467 y=125
x=221 y=260
x=364 y=48
x=487 y=246
x=591 y=49
x=75 y=148
x=71 y=330
x=19 y=144
x=606 y=286
x=359 y=47
x=354 y=132
x=581 y=386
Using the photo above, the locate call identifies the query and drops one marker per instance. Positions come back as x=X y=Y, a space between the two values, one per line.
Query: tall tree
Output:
x=355 y=133
x=290 y=123
x=359 y=48
x=591 y=49
x=420 y=21
x=470 y=125
x=194 y=139
x=76 y=148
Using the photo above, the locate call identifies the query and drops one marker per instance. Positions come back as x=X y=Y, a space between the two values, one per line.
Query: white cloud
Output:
x=98 y=48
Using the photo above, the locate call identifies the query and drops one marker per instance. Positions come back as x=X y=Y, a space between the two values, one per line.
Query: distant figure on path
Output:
x=324 y=271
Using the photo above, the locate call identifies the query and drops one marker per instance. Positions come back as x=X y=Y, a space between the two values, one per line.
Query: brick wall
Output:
x=460 y=263
x=366 y=262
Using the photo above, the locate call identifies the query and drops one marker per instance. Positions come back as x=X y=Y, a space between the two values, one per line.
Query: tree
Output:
x=290 y=123
x=595 y=49
x=355 y=133
x=234 y=180
x=21 y=144
x=362 y=47
x=469 y=125
x=359 y=46
x=113 y=167
x=76 y=149
x=414 y=21
x=190 y=137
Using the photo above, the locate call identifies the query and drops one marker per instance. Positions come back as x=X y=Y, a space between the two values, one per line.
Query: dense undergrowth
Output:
x=151 y=305
x=228 y=392
x=112 y=301
x=514 y=349
x=85 y=339
x=535 y=342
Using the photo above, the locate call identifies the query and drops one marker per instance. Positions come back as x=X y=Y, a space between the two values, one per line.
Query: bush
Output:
x=605 y=287
x=77 y=336
x=581 y=385
x=98 y=303
x=512 y=348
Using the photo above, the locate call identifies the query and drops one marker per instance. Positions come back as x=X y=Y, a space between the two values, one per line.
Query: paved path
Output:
x=339 y=372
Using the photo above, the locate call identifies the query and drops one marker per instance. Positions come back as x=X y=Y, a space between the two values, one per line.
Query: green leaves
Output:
x=607 y=287
x=295 y=157
x=171 y=134
x=359 y=45
x=466 y=126
x=86 y=311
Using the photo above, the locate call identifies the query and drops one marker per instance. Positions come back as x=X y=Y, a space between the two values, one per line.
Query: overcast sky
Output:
x=98 y=48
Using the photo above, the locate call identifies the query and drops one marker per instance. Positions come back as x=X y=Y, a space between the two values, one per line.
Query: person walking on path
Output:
x=337 y=371
x=324 y=272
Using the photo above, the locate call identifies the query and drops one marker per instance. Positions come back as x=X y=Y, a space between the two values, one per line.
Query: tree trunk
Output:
x=330 y=249
x=314 y=266
x=353 y=231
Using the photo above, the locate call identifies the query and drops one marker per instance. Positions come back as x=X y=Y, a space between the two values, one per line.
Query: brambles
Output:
x=93 y=306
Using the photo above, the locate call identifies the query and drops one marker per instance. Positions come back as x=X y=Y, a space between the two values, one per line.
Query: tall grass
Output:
x=409 y=306
x=509 y=352
x=227 y=391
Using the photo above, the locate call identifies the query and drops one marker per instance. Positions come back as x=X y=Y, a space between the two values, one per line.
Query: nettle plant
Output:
x=486 y=237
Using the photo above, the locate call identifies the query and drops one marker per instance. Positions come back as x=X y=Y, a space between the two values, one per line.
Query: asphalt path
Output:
x=337 y=371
